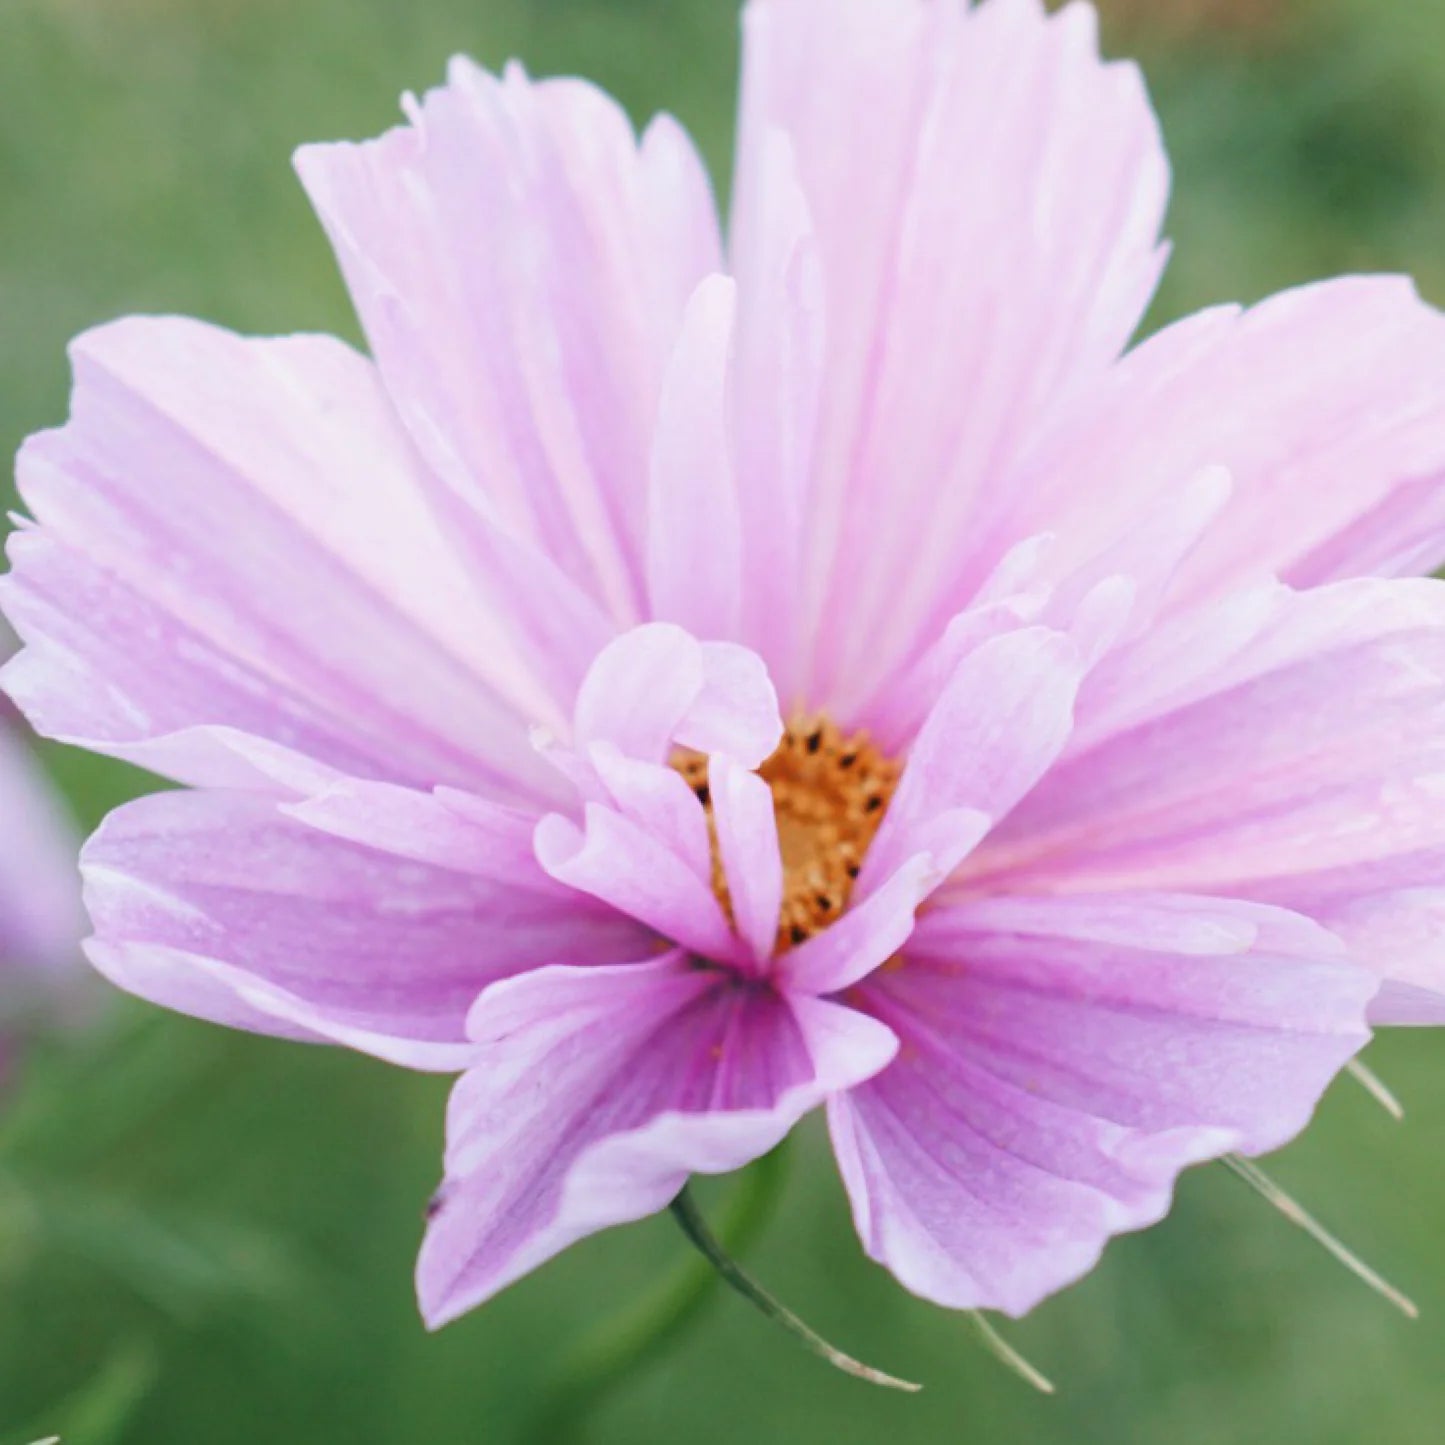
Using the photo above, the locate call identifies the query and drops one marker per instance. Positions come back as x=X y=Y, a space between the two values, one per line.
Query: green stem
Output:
x=629 y=1341
x=685 y=1211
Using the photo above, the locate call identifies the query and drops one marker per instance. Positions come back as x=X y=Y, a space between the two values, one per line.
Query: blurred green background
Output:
x=207 y=1238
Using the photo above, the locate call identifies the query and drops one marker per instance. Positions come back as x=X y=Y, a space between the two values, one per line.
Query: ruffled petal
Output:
x=1283 y=746
x=634 y=868
x=656 y=687
x=949 y=156
x=1003 y=718
x=594 y=1093
x=868 y=935
x=1326 y=405
x=374 y=923
x=1062 y=1061
x=231 y=535
x=520 y=263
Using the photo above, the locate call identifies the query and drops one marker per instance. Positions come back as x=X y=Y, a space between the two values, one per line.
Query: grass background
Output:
x=207 y=1238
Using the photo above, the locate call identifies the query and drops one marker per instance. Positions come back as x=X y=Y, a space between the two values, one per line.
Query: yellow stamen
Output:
x=830 y=793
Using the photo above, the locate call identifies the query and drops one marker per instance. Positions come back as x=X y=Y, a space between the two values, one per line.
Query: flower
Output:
x=680 y=684
x=41 y=921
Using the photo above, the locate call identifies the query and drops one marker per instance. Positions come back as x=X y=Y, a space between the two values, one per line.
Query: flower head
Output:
x=684 y=681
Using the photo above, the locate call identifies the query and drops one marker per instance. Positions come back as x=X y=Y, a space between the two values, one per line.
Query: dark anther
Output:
x=873 y=804
x=854 y=870
x=797 y=933
x=815 y=740
x=703 y=793
x=846 y=760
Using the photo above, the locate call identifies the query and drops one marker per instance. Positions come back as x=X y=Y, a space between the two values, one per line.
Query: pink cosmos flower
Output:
x=684 y=681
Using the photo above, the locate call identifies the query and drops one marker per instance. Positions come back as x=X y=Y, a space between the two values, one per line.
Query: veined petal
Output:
x=776 y=385
x=694 y=540
x=949 y=156
x=1001 y=721
x=520 y=263
x=594 y=1093
x=1058 y=1071
x=633 y=869
x=1326 y=405
x=752 y=859
x=1283 y=746
x=868 y=935
x=231 y=533
x=222 y=906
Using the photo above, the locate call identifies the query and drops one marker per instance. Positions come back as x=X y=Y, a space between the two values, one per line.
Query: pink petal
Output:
x=1284 y=746
x=752 y=859
x=221 y=906
x=596 y=1092
x=950 y=156
x=520 y=264
x=656 y=686
x=1053 y=1080
x=868 y=935
x=1002 y=719
x=638 y=690
x=657 y=798
x=694 y=542
x=776 y=383
x=1327 y=406
x=231 y=533
x=633 y=869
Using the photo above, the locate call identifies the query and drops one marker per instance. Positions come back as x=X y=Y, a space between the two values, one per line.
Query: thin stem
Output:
x=1297 y=1215
x=625 y=1343
x=685 y=1211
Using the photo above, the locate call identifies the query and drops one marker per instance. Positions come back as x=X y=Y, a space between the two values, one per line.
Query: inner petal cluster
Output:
x=830 y=792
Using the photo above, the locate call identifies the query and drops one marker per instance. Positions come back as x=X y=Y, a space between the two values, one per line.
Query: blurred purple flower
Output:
x=1106 y=787
x=41 y=920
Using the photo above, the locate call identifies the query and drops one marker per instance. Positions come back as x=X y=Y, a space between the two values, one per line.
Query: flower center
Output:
x=830 y=792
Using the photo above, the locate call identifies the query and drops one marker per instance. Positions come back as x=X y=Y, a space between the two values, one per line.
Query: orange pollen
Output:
x=830 y=792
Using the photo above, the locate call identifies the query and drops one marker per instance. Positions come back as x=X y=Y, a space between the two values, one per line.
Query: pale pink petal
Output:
x=1316 y=744
x=1284 y=746
x=1327 y=406
x=986 y=198
x=1055 y=1076
x=633 y=869
x=1396 y=931
x=638 y=691
x=865 y=937
x=776 y=385
x=231 y=533
x=657 y=798
x=656 y=686
x=737 y=710
x=1002 y=719
x=694 y=541
x=752 y=859
x=594 y=1093
x=221 y=906
x=520 y=264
